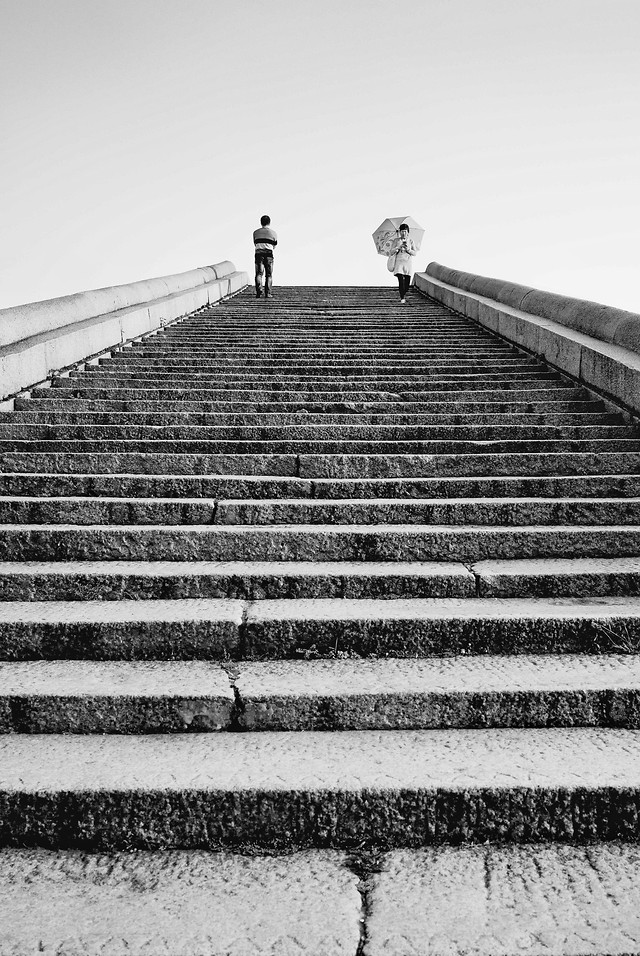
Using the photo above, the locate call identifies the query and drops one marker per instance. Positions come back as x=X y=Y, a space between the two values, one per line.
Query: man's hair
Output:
x=265 y=220
x=404 y=226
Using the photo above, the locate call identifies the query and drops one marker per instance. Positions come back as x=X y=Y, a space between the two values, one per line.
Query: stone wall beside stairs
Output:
x=596 y=344
x=39 y=338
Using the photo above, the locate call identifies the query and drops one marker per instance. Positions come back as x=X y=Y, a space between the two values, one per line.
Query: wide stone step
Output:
x=312 y=431
x=303 y=419
x=558 y=577
x=326 y=466
x=254 y=580
x=522 y=390
x=122 y=485
x=130 y=361
x=327 y=789
x=297 y=379
x=54 y=403
x=387 y=511
x=153 y=697
x=313 y=542
x=322 y=446
x=217 y=629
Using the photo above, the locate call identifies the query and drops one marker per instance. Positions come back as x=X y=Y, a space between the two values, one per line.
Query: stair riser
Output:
x=104 y=714
x=204 y=512
x=214 y=486
x=280 y=583
x=279 y=639
x=229 y=543
x=285 y=819
x=339 y=433
x=269 y=420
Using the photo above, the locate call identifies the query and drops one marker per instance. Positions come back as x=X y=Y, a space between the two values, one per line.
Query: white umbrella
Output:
x=387 y=233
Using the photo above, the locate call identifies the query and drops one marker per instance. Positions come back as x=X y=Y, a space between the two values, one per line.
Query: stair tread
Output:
x=318 y=609
x=428 y=760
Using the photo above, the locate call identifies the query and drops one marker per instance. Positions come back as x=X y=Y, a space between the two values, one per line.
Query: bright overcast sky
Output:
x=144 y=137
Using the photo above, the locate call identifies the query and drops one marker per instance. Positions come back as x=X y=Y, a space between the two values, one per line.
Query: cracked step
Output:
x=152 y=697
x=216 y=628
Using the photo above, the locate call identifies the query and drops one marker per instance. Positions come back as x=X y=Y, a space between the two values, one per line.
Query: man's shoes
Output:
x=258 y=295
x=403 y=301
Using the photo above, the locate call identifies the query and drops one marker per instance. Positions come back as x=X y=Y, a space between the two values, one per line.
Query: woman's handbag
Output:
x=391 y=262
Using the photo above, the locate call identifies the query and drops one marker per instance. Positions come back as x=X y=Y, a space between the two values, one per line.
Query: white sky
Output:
x=144 y=137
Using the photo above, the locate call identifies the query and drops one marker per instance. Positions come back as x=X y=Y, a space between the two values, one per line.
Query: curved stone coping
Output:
x=43 y=337
x=33 y=318
x=603 y=322
x=611 y=369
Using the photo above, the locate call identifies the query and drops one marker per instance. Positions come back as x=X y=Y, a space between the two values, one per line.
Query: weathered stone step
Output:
x=131 y=361
x=246 y=580
x=389 y=511
x=313 y=542
x=57 y=401
x=328 y=465
x=558 y=577
x=310 y=430
x=277 y=790
x=497 y=511
x=308 y=447
x=181 y=903
x=264 y=486
x=549 y=419
x=153 y=697
x=296 y=379
x=214 y=629
x=517 y=389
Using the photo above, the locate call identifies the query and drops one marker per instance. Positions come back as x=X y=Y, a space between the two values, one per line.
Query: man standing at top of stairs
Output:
x=264 y=240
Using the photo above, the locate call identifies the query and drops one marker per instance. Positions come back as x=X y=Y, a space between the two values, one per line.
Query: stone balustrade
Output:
x=39 y=338
x=596 y=344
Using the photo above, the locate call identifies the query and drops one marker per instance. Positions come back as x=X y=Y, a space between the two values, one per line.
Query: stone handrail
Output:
x=596 y=344
x=603 y=322
x=41 y=337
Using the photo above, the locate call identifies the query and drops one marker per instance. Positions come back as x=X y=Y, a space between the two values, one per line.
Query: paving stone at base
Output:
x=340 y=788
x=177 y=904
x=506 y=901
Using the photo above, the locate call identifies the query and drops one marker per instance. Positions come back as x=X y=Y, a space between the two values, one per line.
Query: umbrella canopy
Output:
x=387 y=232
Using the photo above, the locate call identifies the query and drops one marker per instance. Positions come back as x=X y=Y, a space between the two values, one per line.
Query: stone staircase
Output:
x=319 y=634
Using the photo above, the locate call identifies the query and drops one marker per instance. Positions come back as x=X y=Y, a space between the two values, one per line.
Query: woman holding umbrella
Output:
x=403 y=248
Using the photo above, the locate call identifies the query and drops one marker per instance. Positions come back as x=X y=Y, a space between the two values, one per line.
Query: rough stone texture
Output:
x=400 y=542
x=114 y=697
x=418 y=628
x=503 y=901
x=558 y=577
x=387 y=788
x=116 y=580
x=487 y=691
x=119 y=629
x=572 y=334
x=177 y=904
